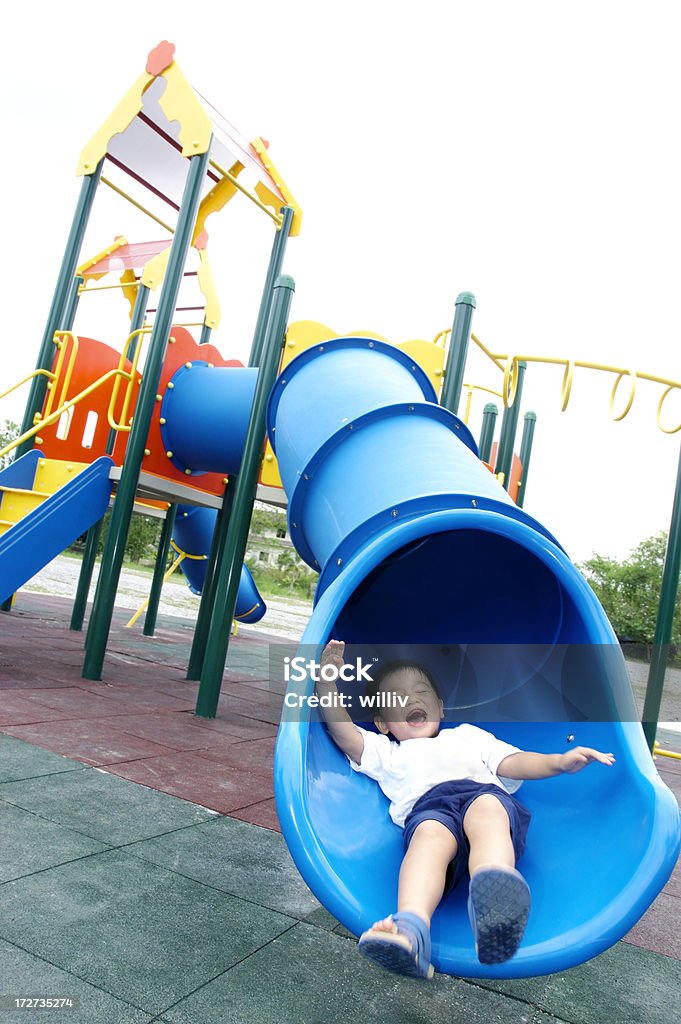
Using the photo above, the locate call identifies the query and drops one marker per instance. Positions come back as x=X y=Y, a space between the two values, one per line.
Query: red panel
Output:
x=94 y=359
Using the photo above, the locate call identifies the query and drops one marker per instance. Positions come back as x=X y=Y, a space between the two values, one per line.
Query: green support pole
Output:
x=458 y=351
x=206 y=332
x=525 y=454
x=71 y=305
x=6 y=605
x=87 y=564
x=665 y=619
x=489 y=419
x=213 y=573
x=509 y=426
x=64 y=284
x=273 y=272
x=159 y=572
x=87 y=567
x=114 y=549
x=244 y=497
x=206 y=606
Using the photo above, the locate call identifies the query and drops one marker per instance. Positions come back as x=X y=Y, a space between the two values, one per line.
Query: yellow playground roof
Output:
x=160 y=121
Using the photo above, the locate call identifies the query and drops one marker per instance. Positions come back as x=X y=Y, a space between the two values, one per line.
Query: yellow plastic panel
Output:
x=51 y=474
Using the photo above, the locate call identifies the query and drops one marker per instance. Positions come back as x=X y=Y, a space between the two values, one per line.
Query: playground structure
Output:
x=182 y=426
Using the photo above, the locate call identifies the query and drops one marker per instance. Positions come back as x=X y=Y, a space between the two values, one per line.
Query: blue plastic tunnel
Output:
x=204 y=420
x=417 y=544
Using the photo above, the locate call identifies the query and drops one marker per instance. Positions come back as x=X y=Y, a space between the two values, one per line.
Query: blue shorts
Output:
x=448 y=803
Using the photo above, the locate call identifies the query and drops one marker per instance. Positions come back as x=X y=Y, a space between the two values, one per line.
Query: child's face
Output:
x=422 y=712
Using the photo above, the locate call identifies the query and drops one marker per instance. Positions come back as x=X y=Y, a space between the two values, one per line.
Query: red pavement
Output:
x=138 y=723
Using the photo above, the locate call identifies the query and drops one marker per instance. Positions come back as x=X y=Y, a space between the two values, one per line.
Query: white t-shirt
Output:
x=405 y=771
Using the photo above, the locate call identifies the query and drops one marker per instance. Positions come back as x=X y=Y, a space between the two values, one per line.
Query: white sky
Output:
x=524 y=151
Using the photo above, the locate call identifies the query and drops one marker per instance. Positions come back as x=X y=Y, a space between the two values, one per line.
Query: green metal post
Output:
x=509 y=426
x=67 y=271
x=489 y=418
x=6 y=605
x=159 y=572
x=665 y=619
x=273 y=272
x=213 y=572
x=71 y=305
x=114 y=549
x=206 y=332
x=244 y=497
x=206 y=606
x=87 y=564
x=525 y=454
x=458 y=351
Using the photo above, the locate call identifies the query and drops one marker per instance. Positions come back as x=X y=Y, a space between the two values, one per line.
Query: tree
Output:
x=9 y=431
x=630 y=590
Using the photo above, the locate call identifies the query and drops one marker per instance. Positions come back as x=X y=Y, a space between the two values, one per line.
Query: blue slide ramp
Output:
x=420 y=548
x=56 y=520
x=193 y=533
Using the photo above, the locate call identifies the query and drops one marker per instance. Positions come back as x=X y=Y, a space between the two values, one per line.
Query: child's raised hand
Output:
x=333 y=654
x=574 y=760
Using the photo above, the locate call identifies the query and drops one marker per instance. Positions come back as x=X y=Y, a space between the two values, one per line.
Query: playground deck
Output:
x=176 y=900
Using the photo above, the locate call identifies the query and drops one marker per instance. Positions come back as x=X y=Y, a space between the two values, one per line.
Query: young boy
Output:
x=450 y=790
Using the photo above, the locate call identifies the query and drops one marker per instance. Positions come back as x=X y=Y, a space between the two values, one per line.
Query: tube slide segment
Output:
x=416 y=541
x=193 y=533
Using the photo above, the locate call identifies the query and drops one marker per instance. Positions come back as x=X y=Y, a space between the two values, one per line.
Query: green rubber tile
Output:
x=20 y=760
x=25 y=975
x=30 y=843
x=103 y=806
x=623 y=985
x=237 y=858
x=309 y=976
x=141 y=933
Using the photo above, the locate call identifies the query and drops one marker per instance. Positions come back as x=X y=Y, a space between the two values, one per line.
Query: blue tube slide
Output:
x=204 y=420
x=192 y=535
x=416 y=542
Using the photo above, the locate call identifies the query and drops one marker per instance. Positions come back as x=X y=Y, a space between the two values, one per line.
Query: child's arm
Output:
x=528 y=765
x=344 y=732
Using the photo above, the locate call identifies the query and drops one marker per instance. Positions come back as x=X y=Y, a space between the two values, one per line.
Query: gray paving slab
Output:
x=239 y=858
x=310 y=976
x=26 y=975
x=145 y=935
x=19 y=760
x=31 y=843
x=623 y=985
x=103 y=806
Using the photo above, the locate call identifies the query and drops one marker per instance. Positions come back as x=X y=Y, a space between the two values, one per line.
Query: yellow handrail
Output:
x=53 y=417
x=507 y=364
x=470 y=388
x=125 y=375
x=61 y=339
x=30 y=376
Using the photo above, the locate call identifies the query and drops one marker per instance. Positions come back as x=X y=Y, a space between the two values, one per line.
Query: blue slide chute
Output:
x=416 y=544
x=192 y=534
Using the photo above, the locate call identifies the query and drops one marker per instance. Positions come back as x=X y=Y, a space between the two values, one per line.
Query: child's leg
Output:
x=498 y=898
x=488 y=830
x=422 y=874
x=402 y=942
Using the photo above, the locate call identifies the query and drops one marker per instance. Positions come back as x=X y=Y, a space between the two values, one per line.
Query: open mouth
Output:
x=416 y=717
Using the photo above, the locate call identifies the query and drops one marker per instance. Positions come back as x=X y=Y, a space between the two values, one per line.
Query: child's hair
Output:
x=389 y=667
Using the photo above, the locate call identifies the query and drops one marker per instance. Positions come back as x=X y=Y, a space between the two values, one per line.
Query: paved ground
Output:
x=177 y=900
x=284 y=618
